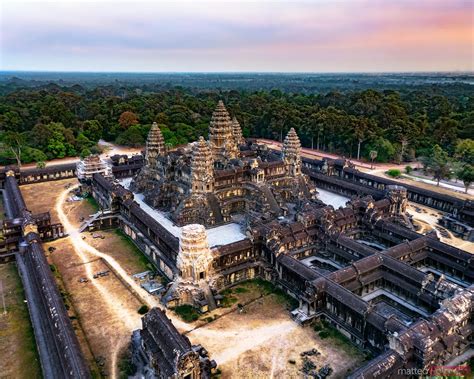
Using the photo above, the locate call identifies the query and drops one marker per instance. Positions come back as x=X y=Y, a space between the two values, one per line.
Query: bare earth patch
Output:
x=40 y=197
x=106 y=309
x=103 y=310
x=427 y=219
x=18 y=356
x=261 y=341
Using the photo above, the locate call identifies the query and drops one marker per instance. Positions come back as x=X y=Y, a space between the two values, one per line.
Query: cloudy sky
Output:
x=310 y=36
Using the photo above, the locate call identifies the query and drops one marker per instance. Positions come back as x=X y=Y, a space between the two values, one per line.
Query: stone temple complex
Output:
x=214 y=182
x=224 y=210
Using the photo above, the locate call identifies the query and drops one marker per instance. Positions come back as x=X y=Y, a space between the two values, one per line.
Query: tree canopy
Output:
x=400 y=125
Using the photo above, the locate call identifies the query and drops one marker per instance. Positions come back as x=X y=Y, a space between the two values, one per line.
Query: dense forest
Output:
x=45 y=121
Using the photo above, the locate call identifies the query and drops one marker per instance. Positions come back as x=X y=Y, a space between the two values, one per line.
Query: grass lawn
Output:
x=259 y=286
x=18 y=355
x=93 y=203
x=142 y=260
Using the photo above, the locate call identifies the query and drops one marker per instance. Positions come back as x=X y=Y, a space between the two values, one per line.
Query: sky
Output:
x=237 y=36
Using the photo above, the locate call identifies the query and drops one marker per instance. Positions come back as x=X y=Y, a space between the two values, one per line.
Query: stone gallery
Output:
x=363 y=268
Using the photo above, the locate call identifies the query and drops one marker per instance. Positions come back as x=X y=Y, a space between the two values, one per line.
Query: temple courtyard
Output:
x=241 y=337
x=104 y=310
x=248 y=343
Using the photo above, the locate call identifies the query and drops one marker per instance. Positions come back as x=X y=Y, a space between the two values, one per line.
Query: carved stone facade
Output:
x=160 y=351
x=91 y=165
x=237 y=132
x=404 y=296
x=211 y=182
x=221 y=136
x=291 y=153
x=195 y=258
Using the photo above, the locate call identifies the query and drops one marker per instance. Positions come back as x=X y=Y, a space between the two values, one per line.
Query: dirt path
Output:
x=112 y=299
x=254 y=345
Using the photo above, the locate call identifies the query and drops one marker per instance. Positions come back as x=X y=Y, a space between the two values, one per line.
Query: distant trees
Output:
x=438 y=164
x=464 y=153
x=127 y=119
x=398 y=125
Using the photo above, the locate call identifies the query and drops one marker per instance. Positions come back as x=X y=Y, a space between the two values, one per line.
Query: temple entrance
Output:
x=202 y=275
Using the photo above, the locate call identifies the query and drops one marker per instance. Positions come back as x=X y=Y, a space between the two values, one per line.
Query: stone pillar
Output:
x=195 y=257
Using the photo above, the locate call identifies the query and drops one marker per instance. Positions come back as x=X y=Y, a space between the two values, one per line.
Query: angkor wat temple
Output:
x=406 y=297
x=208 y=182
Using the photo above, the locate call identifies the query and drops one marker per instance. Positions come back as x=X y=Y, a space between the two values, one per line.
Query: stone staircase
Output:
x=274 y=207
x=85 y=224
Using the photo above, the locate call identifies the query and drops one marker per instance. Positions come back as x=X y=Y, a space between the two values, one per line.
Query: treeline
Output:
x=37 y=124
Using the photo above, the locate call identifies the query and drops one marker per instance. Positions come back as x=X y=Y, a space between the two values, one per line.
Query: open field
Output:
x=105 y=308
x=40 y=197
x=264 y=342
x=18 y=355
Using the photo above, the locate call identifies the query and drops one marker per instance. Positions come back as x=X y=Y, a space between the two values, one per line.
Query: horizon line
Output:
x=241 y=72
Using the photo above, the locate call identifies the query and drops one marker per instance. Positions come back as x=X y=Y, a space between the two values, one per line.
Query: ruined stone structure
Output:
x=91 y=165
x=291 y=153
x=405 y=297
x=160 y=351
x=342 y=177
x=58 y=348
x=237 y=132
x=194 y=258
x=210 y=182
x=221 y=137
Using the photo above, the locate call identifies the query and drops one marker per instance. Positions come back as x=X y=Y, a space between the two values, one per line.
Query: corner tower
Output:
x=221 y=136
x=237 y=132
x=291 y=153
x=155 y=146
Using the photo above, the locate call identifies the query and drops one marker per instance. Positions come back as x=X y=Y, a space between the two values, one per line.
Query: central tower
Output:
x=221 y=137
x=202 y=168
x=291 y=153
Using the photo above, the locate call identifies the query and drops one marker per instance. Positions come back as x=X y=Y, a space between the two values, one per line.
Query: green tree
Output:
x=465 y=151
x=466 y=174
x=439 y=164
x=131 y=137
x=14 y=142
x=85 y=153
x=92 y=129
x=82 y=142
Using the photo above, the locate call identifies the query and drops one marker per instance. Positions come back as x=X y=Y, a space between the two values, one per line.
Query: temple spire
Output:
x=202 y=168
x=220 y=135
x=237 y=132
x=291 y=153
x=155 y=145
